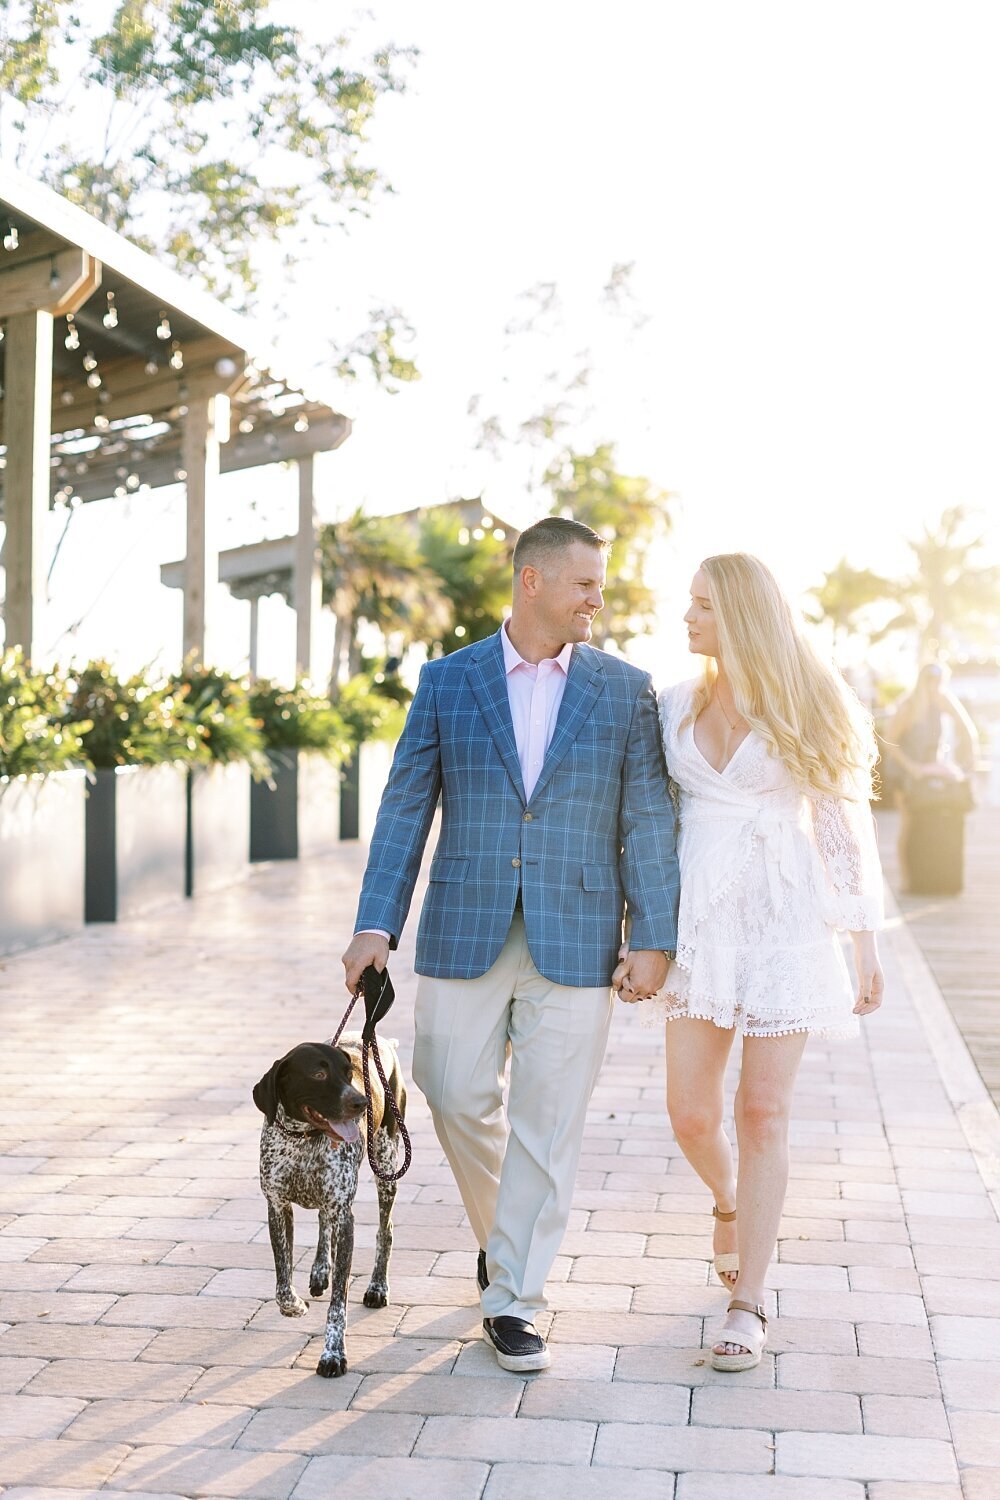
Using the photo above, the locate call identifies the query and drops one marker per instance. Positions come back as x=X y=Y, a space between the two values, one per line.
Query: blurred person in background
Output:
x=931 y=744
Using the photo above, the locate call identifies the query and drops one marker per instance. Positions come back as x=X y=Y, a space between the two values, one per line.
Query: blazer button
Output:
x=528 y=817
x=516 y=863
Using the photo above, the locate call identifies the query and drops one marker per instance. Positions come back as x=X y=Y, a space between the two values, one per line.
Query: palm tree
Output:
x=372 y=570
x=473 y=573
x=632 y=513
x=845 y=594
x=950 y=594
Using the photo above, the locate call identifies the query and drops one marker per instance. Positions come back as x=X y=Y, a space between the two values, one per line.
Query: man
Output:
x=547 y=756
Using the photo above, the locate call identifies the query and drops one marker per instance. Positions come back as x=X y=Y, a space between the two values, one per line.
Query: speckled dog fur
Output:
x=315 y=1173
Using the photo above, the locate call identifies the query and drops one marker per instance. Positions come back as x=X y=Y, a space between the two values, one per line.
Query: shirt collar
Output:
x=512 y=658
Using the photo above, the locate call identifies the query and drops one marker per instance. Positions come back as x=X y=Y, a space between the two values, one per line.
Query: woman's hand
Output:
x=871 y=983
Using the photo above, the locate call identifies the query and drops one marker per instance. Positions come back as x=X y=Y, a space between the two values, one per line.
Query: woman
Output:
x=772 y=756
x=931 y=742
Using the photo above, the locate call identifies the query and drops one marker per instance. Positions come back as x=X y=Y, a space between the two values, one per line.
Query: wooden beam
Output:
x=307 y=578
x=57 y=284
x=133 y=392
x=28 y=363
x=200 y=455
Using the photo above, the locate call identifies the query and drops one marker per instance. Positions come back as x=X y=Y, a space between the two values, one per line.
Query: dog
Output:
x=311 y=1146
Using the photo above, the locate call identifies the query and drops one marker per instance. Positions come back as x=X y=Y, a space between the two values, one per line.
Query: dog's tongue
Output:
x=344 y=1130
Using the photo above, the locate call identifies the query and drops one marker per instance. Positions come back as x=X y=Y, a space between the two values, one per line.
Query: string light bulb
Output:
x=90 y=360
x=151 y=367
x=54 y=277
x=11 y=238
x=301 y=424
x=101 y=422
x=93 y=380
x=176 y=360
x=110 y=319
x=72 y=339
x=163 y=328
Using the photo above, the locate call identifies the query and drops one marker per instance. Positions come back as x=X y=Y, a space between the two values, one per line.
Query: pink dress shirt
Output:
x=534 y=694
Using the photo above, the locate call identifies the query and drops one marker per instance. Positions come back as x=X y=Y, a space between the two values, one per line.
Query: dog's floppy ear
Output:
x=265 y=1093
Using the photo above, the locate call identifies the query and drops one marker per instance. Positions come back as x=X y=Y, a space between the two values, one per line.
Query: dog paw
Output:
x=318 y=1283
x=377 y=1295
x=293 y=1307
x=331 y=1364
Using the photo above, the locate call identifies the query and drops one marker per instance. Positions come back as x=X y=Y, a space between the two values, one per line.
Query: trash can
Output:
x=933 y=834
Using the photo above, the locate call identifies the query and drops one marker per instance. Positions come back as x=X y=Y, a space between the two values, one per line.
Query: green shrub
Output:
x=34 y=740
x=219 y=705
x=298 y=719
x=370 y=712
x=131 y=722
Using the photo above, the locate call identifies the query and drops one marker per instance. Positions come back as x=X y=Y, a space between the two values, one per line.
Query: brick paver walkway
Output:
x=140 y=1350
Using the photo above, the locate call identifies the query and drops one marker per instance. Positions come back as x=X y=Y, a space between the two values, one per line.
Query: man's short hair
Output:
x=540 y=543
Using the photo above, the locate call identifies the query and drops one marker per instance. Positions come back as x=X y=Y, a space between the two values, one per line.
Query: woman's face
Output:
x=703 y=637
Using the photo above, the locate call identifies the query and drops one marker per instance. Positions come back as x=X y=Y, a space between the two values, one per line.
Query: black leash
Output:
x=379 y=995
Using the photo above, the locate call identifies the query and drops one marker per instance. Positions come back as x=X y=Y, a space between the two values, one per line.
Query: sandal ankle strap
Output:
x=751 y=1307
x=722 y=1218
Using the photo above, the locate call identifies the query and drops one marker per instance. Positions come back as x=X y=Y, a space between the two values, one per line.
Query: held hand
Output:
x=364 y=948
x=640 y=974
x=871 y=984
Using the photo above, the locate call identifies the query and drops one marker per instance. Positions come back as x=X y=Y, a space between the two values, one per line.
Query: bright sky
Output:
x=808 y=194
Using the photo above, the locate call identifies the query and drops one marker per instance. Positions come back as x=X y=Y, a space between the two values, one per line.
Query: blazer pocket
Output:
x=449 y=869
x=600 y=878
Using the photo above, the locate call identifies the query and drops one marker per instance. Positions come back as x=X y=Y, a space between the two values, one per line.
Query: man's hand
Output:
x=364 y=948
x=640 y=974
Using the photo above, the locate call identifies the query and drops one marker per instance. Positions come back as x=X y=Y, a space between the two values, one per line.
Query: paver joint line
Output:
x=140 y=1347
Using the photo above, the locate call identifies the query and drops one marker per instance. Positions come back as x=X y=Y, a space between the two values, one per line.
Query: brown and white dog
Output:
x=310 y=1150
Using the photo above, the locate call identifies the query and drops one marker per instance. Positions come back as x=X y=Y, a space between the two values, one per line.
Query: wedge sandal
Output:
x=751 y=1343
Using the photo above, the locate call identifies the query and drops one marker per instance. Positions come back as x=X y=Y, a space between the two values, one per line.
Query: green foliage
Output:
x=212 y=132
x=219 y=705
x=846 y=594
x=373 y=570
x=34 y=740
x=298 y=719
x=633 y=515
x=130 y=722
x=473 y=576
x=370 y=714
x=950 y=596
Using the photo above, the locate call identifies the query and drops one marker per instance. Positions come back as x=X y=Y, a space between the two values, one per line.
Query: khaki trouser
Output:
x=516 y=1175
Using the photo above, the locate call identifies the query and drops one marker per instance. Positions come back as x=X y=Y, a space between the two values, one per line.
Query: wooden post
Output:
x=254 y=628
x=307 y=577
x=200 y=448
x=28 y=435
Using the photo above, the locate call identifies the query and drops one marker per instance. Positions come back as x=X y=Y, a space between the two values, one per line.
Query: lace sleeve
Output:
x=845 y=837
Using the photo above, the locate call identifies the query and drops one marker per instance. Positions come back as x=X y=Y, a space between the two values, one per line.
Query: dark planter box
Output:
x=364 y=780
x=297 y=813
x=135 y=840
x=41 y=859
x=218 y=827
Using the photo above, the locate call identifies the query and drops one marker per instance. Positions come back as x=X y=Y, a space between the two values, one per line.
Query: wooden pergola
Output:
x=119 y=376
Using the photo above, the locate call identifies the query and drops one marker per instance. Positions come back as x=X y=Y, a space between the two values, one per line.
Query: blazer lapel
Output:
x=584 y=684
x=488 y=681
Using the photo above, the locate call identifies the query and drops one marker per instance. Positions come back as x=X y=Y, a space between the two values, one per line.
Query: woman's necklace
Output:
x=728 y=720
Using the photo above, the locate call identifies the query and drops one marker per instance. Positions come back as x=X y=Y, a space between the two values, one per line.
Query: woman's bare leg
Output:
x=697 y=1053
x=763 y=1108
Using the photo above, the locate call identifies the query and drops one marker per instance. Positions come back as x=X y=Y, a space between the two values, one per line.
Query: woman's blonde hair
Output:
x=799 y=705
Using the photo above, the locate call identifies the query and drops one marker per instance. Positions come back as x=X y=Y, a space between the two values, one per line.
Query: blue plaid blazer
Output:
x=597 y=834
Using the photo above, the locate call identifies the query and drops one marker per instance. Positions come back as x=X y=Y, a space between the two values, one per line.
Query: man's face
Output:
x=570 y=591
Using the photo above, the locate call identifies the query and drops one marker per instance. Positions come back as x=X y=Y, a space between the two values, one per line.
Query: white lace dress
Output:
x=768 y=876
